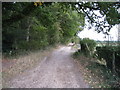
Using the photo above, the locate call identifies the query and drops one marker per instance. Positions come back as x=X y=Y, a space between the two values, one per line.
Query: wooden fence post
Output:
x=113 y=62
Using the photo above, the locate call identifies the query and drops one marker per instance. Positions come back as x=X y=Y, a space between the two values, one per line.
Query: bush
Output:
x=87 y=46
x=106 y=53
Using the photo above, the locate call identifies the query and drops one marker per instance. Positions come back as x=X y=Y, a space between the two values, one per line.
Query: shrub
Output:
x=87 y=46
x=106 y=53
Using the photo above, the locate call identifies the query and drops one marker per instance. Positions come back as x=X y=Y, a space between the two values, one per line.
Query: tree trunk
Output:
x=88 y=49
x=28 y=34
x=28 y=31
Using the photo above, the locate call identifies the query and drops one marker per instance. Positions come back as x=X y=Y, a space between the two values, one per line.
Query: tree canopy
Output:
x=44 y=26
x=27 y=26
x=109 y=10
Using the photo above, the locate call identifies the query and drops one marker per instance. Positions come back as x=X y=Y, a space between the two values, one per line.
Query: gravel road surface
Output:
x=58 y=70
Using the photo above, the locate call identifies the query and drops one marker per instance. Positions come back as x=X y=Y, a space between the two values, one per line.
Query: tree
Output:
x=105 y=8
x=51 y=23
x=47 y=25
x=87 y=46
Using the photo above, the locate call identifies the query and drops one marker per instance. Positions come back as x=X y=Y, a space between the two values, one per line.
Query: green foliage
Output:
x=106 y=53
x=109 y=8
x=45 y=26
x=18 y=11
x=106 y=78
x=87 y=46
x=61 y=21
x=96 y=73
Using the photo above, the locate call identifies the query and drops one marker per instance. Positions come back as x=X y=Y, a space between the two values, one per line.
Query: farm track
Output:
x=58 y=70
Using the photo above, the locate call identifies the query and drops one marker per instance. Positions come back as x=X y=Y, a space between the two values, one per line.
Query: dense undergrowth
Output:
x=21 y=53
x=96 y=73
x=111 y=54
x=100 y=64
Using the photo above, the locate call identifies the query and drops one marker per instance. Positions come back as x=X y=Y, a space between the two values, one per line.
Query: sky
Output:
x=92 y=34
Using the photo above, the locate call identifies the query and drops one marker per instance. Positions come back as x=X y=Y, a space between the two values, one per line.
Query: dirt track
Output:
x=58 y=70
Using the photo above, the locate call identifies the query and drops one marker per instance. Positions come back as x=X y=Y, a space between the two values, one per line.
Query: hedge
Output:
x=106 y=53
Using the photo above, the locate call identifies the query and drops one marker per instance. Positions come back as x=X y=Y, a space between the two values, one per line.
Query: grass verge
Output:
x=23 y=63
x=96 y=73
